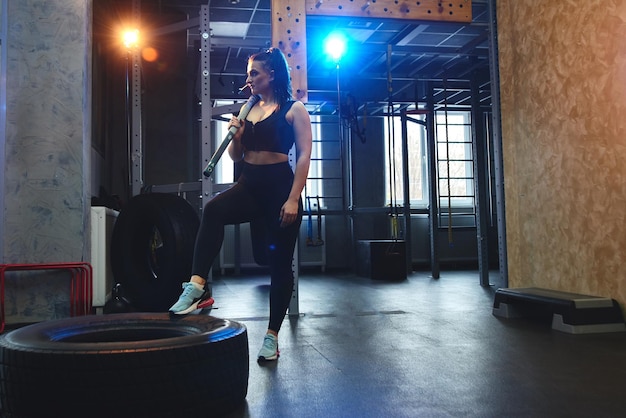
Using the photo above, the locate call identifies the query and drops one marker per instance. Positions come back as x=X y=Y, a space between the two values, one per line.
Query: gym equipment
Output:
x=124 y=365
x=245 y=109
x=152 y=247
x=382 y=259
x=81 y=286
x=571 y=312
x=310 y=242
x=118 y=303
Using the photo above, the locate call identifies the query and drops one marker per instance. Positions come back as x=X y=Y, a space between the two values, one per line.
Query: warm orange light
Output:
x=130 y=38
x=149 y=54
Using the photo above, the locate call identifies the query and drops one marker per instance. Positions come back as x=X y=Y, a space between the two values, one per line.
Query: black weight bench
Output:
x=572 y=313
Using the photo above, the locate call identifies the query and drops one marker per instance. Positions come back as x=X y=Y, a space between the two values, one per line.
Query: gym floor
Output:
x=422 y=347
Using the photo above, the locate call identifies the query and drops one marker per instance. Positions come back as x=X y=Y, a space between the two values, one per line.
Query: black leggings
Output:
x=258 y=195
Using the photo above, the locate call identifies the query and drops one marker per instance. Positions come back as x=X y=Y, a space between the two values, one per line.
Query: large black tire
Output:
x=152 y=249
x=124 y=365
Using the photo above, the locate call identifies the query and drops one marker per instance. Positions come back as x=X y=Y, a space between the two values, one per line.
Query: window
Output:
x=418 y=166
x=455 y=170
x=314 y=184
x=455 y=176
x=224 y=169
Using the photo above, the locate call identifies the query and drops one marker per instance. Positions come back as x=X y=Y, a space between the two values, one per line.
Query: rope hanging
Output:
x=391 y=150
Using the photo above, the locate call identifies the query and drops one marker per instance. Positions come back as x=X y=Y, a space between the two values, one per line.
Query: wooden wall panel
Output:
x=457 y=11
x=563 y=85
x=289 y=35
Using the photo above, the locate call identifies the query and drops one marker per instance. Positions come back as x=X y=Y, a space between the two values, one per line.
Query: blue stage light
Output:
x=335 y=45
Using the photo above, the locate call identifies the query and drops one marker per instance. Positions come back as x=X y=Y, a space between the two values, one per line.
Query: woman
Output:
x=267 y=190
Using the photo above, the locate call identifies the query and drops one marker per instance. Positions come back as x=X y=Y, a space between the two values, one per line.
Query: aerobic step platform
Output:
x=572 y=313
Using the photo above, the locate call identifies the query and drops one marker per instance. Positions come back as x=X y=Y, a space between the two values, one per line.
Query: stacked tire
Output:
x=139 y=364
x=152 y=249
x=124 y=365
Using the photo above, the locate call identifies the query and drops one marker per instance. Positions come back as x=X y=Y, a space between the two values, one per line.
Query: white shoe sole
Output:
x=270 y=358
x=199 y=304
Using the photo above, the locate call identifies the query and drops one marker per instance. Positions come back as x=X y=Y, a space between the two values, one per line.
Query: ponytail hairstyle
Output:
x=274 y=60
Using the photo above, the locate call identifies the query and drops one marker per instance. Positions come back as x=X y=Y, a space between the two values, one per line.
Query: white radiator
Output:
x=102 y=221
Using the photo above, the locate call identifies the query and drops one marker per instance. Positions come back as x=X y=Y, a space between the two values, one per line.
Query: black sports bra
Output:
x=272 y=134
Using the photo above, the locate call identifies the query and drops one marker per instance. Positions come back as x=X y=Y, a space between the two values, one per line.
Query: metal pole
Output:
x=3 y=107
x=129 y=135
x=497 y=145
x=347 y=198
x=479 y=151
x=294 y=304
x=433 y=207
x=407 y=194
x=206 y=145
x=136 y=156
x=205 y=105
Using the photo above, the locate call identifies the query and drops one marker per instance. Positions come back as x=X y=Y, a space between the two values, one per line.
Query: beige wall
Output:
x=563 y=87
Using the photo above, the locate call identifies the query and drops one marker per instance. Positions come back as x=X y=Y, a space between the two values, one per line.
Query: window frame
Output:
x=462 y=203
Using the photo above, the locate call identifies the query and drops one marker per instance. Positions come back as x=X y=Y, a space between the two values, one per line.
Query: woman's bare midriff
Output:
x=264 y=157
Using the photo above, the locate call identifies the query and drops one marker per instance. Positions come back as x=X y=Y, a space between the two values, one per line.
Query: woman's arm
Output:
x=299 y=118
x=304 y=140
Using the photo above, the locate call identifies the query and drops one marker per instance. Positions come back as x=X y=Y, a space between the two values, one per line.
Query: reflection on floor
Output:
x=423 y=347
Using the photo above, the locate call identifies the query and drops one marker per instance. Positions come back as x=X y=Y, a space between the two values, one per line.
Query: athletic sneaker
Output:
x=269 y=350
x=190 y=299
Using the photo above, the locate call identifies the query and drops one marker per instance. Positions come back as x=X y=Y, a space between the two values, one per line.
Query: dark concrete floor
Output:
x=423 y=347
